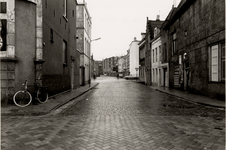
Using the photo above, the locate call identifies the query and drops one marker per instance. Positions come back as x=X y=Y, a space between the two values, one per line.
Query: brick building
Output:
x=196 y=47
x=39 y=43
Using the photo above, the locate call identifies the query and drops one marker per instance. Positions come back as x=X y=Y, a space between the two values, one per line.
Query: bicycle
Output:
x=23 y=98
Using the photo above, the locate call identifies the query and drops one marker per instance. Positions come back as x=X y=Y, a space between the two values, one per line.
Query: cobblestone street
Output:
x=119 y=115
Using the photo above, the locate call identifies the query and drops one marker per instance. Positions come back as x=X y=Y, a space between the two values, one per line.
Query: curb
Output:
x=61 y=104
x=39 y=114
x=200 y=103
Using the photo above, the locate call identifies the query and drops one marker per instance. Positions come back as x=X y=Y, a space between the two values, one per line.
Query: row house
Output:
x=152 y=43
x=122 y=66
x=142 y=47
x=187 y=50
x=49 y=57
x=193 y=48
x=98 y=68
x=84 y=24
x=196 y=49
x=127 y=63
x=134 y=58
x=155 y=57
x=110 y=65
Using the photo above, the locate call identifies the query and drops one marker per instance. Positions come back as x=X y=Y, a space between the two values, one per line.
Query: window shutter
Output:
x=214 y=65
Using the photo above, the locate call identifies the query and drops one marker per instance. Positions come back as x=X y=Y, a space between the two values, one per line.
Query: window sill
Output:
x=65 y=18
x=64 y=64
x=222 y=81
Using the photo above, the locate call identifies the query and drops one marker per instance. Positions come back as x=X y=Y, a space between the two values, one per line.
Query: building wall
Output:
x=142 y=75
x=58 y=28
x=134 y=58
x=199 y=25
x=150 y=26
x=155 y=57
x=84 y=38
x=164 y=59
x=17 y=57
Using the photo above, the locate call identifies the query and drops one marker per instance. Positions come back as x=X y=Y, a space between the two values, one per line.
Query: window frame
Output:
x=51 y=35
x=219 y=61
x=3 y=34
x=64 y=52
x=174 y=42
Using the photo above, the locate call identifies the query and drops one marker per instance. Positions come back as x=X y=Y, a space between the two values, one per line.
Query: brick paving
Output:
x=107 y=119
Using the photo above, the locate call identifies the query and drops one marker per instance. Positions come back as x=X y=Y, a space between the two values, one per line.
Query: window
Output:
x=174 y=43
x=3 y=29
x=156 y=54
x=153 y=56
x=160 y=53
x=165 y=52
x=3 y=6
x=223 y=61
x=64 y=52
x=155 y=32
x=217 y=62
x=51 y=35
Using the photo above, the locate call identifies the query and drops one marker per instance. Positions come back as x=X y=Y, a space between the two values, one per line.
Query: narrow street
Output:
x=119 y=114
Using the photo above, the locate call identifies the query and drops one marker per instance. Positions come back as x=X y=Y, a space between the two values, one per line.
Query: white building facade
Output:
x=156 y=62
x=134 y=58
x=160 y=75
x=84 y=41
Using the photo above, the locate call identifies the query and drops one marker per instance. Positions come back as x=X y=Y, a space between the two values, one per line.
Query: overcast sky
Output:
x=117 y=22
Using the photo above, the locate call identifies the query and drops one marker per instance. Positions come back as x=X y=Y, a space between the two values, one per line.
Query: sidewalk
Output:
x=204 y=100
x=53 y=103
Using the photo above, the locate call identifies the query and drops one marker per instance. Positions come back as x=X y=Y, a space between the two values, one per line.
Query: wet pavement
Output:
x=119 y=114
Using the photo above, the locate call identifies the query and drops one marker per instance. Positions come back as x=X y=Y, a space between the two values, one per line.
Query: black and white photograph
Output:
x=112 y=74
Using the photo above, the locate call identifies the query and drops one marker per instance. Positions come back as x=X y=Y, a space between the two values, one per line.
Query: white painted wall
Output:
x=134 y=58
x=156 y=61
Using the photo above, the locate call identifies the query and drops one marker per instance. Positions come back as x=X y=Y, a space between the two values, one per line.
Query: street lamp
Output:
x=90 y=60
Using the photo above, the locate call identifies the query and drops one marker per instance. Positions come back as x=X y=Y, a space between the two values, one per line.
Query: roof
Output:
x=176 y=13
x=151 y=24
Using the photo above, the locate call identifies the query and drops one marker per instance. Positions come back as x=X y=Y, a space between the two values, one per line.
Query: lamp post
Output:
x=90 y=60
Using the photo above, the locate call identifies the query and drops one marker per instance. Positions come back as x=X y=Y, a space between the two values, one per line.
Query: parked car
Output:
x=131 y=77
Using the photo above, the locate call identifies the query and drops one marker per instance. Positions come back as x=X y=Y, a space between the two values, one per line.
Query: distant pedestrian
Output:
x=117 y=75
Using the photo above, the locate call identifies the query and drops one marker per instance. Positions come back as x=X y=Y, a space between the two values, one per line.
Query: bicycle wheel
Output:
x=42 y=95
x=22 y=98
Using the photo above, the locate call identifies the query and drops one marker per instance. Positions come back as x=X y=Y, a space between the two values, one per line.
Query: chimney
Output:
x=158 y=18
x=143 y=35
x=135 y=39
x=174 y=3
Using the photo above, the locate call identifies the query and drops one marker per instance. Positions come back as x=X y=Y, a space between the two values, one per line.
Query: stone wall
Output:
x=7 y=81
x=56 y=83
x=199 y=25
